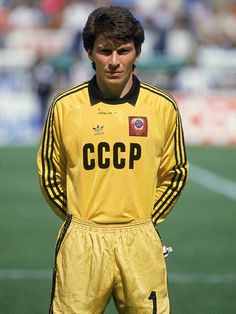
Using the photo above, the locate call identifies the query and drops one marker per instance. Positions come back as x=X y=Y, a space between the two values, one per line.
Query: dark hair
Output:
x=115 y=23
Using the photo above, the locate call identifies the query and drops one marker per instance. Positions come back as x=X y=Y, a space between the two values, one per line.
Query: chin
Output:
x=114 y=80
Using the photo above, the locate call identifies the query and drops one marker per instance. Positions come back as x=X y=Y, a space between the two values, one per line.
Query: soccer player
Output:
x=111 y=164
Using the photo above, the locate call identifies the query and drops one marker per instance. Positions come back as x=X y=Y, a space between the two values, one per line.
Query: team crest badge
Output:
x=138 y=126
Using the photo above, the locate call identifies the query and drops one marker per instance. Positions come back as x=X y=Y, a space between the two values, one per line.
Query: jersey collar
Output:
x=96 y=95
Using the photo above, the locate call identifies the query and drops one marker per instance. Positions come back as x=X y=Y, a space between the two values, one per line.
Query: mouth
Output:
x=114 y=73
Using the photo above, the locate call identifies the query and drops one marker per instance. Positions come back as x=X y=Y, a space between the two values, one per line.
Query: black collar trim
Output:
x=96 y=95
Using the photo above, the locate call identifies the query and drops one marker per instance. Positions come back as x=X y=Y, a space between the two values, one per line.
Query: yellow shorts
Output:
x=97 y=261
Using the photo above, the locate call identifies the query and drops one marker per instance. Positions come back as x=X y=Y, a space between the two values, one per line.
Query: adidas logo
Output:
x=98 y=130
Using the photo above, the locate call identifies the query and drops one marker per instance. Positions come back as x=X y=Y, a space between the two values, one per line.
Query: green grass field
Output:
x=201 y=229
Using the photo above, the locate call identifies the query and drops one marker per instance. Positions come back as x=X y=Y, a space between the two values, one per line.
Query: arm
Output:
x=51 y=162
x=172 y=172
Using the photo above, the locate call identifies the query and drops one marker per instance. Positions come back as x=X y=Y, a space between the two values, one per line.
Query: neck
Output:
x=115 y=91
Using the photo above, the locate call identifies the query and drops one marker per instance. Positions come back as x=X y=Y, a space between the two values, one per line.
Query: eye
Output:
x=104 y=51
x=123 y=51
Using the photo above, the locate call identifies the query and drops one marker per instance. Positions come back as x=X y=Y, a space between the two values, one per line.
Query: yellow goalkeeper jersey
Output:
x=112 y=161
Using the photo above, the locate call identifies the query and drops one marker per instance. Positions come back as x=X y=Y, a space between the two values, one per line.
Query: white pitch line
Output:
x=19 y=274
x=212 y=181
x=176 y=278
x=202 y=278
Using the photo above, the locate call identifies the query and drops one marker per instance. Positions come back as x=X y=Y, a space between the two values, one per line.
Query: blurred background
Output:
x=190 y=49
x=190 y=52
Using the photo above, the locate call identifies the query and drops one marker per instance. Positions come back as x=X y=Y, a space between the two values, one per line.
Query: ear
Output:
x=90 y=54
x=137 y=57
x=138 y=53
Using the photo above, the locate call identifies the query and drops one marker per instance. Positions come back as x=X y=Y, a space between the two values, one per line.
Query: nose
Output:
x=114 y=62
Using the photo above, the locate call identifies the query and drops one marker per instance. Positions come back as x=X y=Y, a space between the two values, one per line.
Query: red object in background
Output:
x=3 y=20
x=208 y=119
x=52 y=6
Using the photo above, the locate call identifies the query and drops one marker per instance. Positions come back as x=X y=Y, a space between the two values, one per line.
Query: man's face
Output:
x=113 y=60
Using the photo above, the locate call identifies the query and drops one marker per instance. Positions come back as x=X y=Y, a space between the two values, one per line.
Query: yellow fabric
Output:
x=92 y=165
x=94 y=261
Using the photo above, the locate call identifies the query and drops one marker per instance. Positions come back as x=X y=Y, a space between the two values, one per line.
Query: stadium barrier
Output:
x=208 y=119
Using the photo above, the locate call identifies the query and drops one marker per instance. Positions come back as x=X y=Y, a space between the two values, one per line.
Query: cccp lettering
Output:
x=104 y=155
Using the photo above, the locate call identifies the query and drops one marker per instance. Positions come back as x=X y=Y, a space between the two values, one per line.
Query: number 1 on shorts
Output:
x=153 y=297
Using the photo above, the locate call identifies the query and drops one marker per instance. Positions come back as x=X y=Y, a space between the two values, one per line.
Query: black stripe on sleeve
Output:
x=50 y=185
x=159 y=92
x=53 y=191
x=180 y=177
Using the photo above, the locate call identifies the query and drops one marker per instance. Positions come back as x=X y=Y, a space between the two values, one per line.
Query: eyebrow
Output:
x=107 y=46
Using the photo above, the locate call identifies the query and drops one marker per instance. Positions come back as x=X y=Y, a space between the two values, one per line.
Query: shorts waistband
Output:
x=109 y=226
